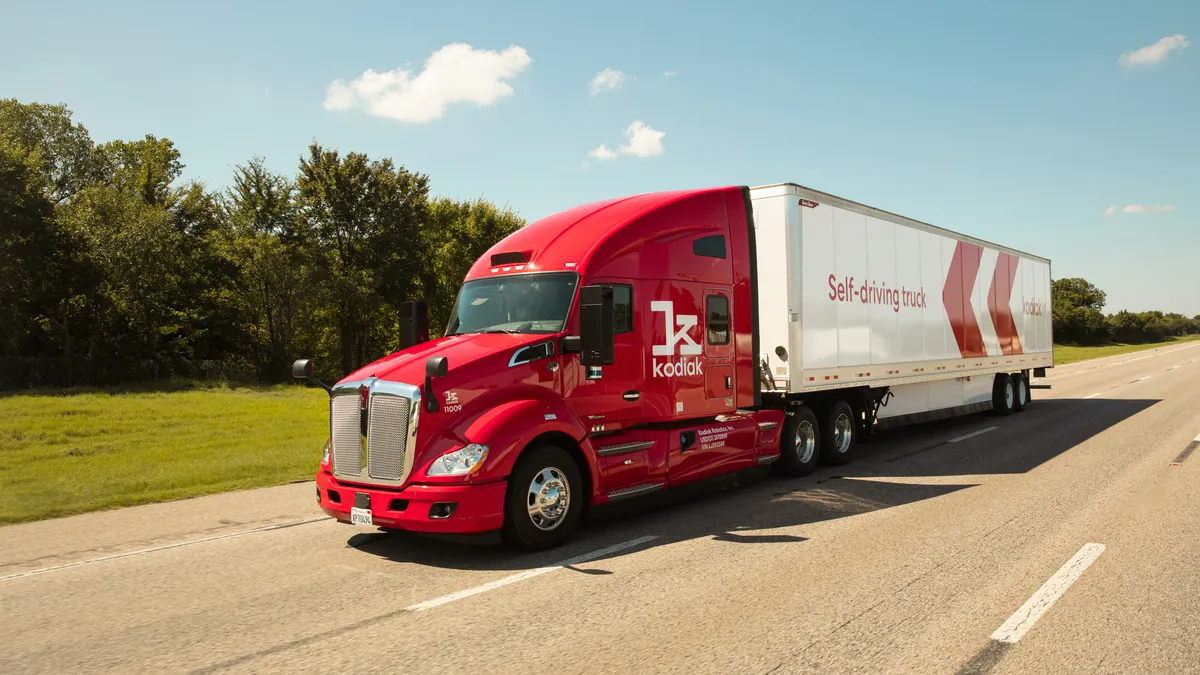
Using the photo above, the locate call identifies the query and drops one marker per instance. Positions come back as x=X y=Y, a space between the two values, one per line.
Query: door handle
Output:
x=632 y=395
x=729 y=382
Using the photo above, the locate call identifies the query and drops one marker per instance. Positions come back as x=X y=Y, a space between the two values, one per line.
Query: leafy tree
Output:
x=67 y=158
x=458 y=233
x=1077 y=315
x=361 y=222
x=274 y=290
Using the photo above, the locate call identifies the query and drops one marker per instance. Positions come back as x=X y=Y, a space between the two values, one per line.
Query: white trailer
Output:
x=930 y=321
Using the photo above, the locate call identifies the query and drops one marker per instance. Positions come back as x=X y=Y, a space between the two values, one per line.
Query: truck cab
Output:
x=600 y=353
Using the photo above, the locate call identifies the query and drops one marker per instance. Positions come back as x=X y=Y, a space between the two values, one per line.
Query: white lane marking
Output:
x=527 y=574
x=1196 y=439
x=973 y=434
x=1023 y=619
x=164 y=547
x=1094 y=395
x=1143 y=379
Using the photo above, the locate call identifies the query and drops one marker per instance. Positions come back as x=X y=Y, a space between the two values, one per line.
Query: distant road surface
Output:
x=1058 y=540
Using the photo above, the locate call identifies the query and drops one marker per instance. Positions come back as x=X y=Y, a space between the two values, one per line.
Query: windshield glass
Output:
x=520 y=303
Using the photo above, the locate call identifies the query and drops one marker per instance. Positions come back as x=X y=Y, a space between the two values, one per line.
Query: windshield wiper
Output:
x=507 y=331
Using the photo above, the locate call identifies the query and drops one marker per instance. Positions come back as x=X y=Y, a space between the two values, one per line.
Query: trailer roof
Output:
x=834 y=200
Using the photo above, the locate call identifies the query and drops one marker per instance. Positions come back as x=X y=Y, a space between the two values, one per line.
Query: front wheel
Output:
x=544 y=499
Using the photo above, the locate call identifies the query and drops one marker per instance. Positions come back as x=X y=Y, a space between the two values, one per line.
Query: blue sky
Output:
x=1012 y=121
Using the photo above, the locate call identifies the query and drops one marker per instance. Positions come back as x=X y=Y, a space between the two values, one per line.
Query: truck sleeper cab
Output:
x=601 y=353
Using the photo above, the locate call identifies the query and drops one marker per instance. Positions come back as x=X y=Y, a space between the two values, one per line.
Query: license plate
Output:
x=360 y=516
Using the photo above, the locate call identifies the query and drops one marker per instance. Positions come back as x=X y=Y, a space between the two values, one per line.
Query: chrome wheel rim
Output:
x=806 y=441
x=843 y=433
x=549 y=498
x=1008 y=394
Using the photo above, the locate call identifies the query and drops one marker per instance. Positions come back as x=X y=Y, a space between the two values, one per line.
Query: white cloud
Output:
x=1152 y=208
x=669 y=73
x=643 y=141
x=1155 y=53
x=606 y=80
x=1110 y=210
x=456 y=73
x=602 y=152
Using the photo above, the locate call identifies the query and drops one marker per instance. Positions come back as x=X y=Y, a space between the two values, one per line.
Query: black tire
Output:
x=1004 y=395
x=799 y=443
x=1021 y=391
x=838 y=433
x=547 y=464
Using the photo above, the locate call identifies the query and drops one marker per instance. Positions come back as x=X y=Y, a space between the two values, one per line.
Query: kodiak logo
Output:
x=671 y=366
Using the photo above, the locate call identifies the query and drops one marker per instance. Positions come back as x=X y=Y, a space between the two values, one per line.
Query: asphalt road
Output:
x=1065 y=539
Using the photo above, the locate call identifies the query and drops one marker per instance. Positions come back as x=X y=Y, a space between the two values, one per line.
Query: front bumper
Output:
x=478 y=507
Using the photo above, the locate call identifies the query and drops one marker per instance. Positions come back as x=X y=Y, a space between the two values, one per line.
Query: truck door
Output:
x=719 y=372
x=614 y=400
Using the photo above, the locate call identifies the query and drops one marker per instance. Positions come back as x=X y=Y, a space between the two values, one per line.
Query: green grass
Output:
x=86 y=450
x=1069 y=354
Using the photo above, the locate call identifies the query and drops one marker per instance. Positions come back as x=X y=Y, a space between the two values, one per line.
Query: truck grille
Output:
x=347 y=446
x=387 y=436
x=389 y=421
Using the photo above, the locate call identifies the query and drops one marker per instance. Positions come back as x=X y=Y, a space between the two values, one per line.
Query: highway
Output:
x=1063 y=539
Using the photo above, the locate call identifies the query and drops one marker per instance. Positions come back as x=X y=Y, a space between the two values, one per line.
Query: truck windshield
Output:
x=520 y=303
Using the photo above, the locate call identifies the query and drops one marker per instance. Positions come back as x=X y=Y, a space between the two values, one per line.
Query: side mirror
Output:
x=596 y=325
x=436 y=366
x=414 y=323
x=302 y=369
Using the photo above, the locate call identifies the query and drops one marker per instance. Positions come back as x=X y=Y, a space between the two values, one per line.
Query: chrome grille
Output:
x=347 y=439
x=387 y=436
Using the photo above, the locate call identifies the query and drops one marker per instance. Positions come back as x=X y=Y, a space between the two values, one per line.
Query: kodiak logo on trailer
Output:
x=671 y=366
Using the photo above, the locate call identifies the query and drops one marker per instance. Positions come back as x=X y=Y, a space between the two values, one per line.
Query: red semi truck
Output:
x=627 y=346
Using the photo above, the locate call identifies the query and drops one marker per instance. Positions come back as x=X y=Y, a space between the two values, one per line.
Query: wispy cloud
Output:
x=1110 y=210
x=456 y=73
x=606 y=80
x=669 y=73
x=602 y=152
x=1150 y=208
x=1154 y=53
x=641 y=141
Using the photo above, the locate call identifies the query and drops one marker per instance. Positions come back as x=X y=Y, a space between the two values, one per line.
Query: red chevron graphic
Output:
x=956 y=297
x=999 y=297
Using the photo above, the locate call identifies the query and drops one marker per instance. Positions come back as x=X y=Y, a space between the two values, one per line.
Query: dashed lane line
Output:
x=1041 y=601
x=527 y=574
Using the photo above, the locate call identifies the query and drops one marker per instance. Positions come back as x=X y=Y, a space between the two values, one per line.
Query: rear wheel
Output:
x=1004 y=395
x=838 y=434
x=1021 y=389
x=798 y=443
x=544 y=499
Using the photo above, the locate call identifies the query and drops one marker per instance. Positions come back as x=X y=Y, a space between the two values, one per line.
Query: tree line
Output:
x=112 y=269
x=1079 y=319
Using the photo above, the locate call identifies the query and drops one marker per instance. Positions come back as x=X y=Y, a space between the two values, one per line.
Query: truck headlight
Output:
x=460 y=462
x=326 y=454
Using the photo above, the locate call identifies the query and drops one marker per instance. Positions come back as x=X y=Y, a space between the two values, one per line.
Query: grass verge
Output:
x=1064 y=354
x=86 y=450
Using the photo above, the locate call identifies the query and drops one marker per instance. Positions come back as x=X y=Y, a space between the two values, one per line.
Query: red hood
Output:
x=408 y=366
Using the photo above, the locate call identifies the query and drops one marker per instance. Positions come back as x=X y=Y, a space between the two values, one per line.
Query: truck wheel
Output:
x=1004 y=395
x=837 y=434
x=544 y=500
x=1021 y=389
x=798 y=443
